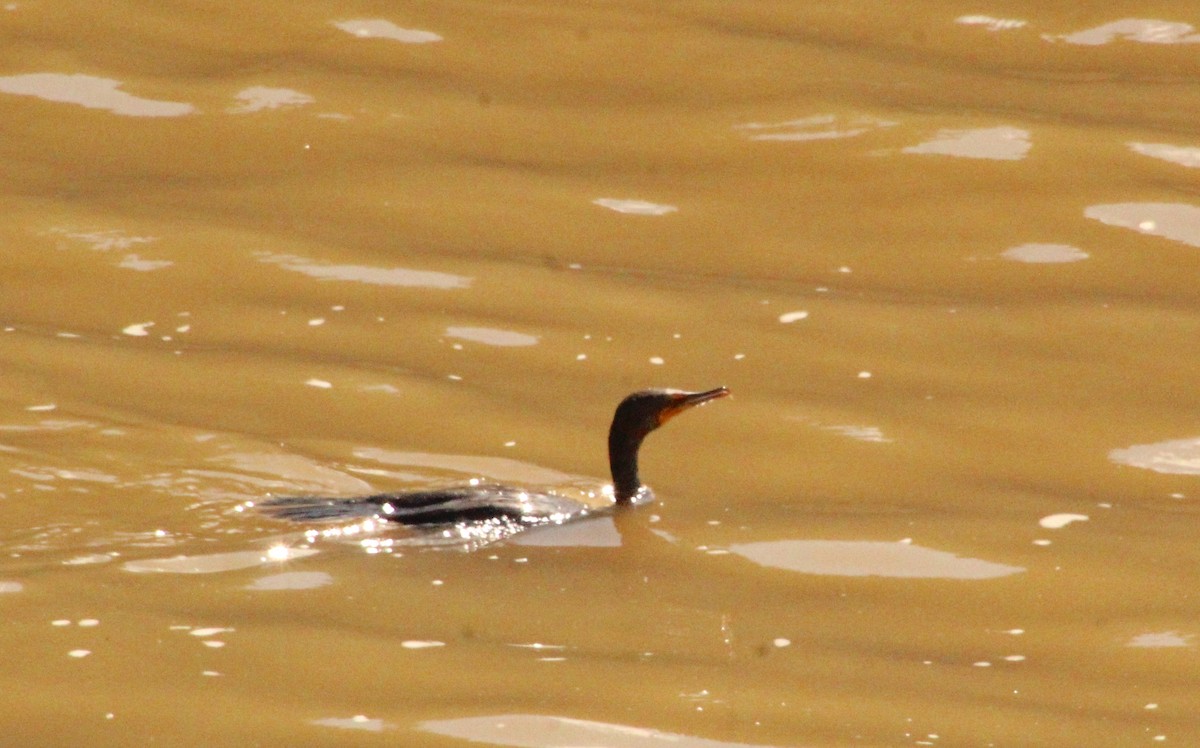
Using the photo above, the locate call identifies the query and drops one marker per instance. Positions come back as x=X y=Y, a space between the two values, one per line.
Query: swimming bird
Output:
x=510 y=509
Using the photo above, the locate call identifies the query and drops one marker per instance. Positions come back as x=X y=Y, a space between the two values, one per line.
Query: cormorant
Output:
x=509 y=507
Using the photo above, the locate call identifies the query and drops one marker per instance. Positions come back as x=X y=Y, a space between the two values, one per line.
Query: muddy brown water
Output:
x=948 y=263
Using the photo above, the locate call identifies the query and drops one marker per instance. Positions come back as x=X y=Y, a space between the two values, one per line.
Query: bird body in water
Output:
x=506 y=507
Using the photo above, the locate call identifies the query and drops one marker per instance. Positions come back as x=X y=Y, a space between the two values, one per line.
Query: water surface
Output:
x=946 y=260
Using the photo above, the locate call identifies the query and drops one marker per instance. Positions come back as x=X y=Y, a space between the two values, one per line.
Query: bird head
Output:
x=646 y=410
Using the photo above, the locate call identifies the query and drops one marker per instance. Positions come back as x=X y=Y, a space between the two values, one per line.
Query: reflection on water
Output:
x=860 y=432
x=137 y=329
x=1058 y=521
x=866 y=558
x=357 y=722
x=398 y=277
x=1183 y=155
x=266 y=472
x=214 y=563
x=48 y=424
x=990 y=23
x=788 y=318
x=999 y=143
x=1145 y=30
x=292 y=580
x=1161 y=639
x=634 y=207
x=375 y=28
x=1044 y=253
x=421 y=643
x=141 y=265
x=103 y=241
x=1176 y=221
x=52 y=473
x=660 y=194
x=546 y=731
x=492 y=336
x=88 y=559
x=1178 y=456
x=259 y=98
x=91 y=92
x=817 y=127
x=590 y=532
x=499 y=469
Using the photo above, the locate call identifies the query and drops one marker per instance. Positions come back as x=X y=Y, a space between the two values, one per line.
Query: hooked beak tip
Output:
x=691 y=400
x=703 y=397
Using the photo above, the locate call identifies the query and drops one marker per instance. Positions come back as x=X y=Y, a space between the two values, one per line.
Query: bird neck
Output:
x=623 y=462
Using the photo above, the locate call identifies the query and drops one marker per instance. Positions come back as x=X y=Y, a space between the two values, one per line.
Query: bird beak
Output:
x=685 y=400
